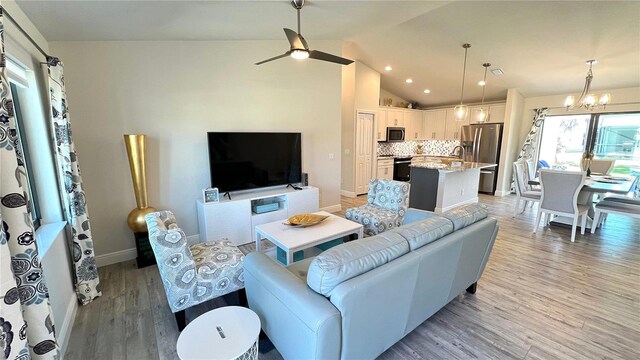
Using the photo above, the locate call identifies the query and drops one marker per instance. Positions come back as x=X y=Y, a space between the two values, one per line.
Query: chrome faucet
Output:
x=462 y=152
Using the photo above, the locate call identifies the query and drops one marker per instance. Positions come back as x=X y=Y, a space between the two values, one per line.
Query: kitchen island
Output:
x=439 y=187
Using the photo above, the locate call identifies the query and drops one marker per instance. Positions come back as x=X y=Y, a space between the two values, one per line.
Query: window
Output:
x=618 y=138
x=614 y=136
x=17 y=86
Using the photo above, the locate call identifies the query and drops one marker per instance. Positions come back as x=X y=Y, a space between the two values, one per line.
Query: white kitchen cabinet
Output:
x=413 y=125
x=496 y=113
x=452 y=128
x=434 y=124
x=381 y=132
x=385 y=169
x=395 y=117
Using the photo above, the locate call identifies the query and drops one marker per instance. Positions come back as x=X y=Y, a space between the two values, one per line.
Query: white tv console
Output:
x=235 y=220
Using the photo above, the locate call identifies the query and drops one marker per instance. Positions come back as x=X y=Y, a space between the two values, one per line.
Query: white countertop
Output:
x=447 y=168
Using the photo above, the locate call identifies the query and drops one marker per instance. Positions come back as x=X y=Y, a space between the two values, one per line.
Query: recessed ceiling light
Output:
x=408 y=81
x=427 y=91
x=482 y=83
x=497 y=72
x=388 y=68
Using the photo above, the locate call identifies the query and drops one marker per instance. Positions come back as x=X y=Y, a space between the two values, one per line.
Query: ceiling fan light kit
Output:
x=461 y=111
x=299 y=49
x=587 y=99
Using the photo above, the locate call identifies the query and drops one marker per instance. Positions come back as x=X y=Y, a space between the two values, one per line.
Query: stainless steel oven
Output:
x=395 y=134
x=401 y=169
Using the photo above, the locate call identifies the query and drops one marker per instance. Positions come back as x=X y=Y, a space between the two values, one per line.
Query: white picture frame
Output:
x=210 y=195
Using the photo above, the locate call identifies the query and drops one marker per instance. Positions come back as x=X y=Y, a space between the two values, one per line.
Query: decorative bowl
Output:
x=304 y=220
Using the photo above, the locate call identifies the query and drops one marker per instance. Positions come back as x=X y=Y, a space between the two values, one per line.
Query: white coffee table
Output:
x=229 y=332
x=292 y=239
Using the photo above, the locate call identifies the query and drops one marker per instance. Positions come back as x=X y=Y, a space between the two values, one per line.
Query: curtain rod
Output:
x=4 y=12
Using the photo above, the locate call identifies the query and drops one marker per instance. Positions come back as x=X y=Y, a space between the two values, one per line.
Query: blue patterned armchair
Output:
x=387 y=203
x=192 y=274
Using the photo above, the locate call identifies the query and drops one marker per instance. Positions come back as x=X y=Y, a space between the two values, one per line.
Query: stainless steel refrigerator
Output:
x=481 y=143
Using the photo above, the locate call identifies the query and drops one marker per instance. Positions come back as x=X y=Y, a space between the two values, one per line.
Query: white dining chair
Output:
x=531 y=171
x=560 y=197
x=523 y=190
x=620 y=205
x=601 y=167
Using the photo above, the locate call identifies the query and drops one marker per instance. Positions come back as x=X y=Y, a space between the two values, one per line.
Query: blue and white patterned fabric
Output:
x=192 y=274
x=387 y=203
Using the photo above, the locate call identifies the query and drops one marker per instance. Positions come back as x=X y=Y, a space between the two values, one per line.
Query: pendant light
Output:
x=483 y=112
x=461 y=111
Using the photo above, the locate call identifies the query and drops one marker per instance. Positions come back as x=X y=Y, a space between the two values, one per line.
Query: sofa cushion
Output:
x=300 y=268
x=349 y=260
x=421 y=233
x=466 y=215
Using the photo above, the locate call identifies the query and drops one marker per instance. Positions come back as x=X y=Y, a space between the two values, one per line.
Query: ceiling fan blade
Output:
x=296 y=41
x=274 y=58
x=319 y=55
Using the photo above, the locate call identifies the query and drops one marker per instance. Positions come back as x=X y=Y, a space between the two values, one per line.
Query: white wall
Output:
x=384 y=94
x=510 y=141
x=361 y=91
x=174 y=92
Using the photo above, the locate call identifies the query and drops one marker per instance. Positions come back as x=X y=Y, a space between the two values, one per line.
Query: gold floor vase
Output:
x=136 y=152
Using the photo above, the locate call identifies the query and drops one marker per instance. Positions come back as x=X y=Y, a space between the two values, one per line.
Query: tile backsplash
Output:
x=429 y=147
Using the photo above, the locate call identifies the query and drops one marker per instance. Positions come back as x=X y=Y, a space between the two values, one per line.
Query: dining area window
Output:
x=610 y=136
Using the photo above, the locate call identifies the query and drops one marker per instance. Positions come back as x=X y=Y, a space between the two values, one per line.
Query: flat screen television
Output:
x=251 y=160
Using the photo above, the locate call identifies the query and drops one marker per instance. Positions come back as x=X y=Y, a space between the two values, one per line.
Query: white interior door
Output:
x=364 y=151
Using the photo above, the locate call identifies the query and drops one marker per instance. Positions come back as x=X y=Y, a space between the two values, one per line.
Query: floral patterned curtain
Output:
x=530 y=147
x=26 y=323
x=84 y=261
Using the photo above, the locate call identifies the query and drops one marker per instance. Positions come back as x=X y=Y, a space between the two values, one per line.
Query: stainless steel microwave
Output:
x=395 y=134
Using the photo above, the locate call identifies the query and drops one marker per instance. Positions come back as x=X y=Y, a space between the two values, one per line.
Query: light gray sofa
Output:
x=357 y=299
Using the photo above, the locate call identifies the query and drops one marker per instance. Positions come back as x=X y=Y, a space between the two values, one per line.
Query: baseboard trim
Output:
x=346 y=193
x=438 y=210
x=332 y=208
x=116 y=257
x=502 y=193
x=64 y=331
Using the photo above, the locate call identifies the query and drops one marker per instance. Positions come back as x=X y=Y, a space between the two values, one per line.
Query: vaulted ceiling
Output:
x=541 y=46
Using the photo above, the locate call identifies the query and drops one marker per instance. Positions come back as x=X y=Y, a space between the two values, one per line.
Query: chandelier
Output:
x=588 y=100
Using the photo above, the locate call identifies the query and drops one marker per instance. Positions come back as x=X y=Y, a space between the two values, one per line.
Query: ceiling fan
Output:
x=299 y=47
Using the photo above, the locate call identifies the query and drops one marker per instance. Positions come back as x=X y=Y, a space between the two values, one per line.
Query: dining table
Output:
x=595 y=184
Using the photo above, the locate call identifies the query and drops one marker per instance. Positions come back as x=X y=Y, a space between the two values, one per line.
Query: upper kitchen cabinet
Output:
x=433 y=124
x=413 y=125
x=381 y=132
x=452 y=128
x=496 y=113
x=395 y=117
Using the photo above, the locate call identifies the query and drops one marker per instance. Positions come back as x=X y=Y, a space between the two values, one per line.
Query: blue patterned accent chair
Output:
x=192 y=274
x=387 y=203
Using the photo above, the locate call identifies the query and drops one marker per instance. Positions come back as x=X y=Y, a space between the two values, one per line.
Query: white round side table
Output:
x=229 y=332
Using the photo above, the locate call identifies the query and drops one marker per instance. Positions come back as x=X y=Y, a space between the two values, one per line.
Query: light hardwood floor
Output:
x=541 y=297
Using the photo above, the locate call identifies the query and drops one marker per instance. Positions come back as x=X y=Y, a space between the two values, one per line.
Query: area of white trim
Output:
x=64 y=331
x=438 y=210
x=332 y=208
x=346 y=193
x=502 y=193
x=46 y=234
x=116 y=257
